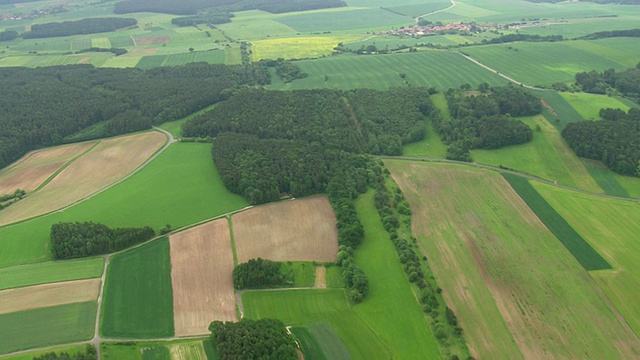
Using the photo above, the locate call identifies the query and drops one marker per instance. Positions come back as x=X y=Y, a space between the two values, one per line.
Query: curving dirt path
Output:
x=453 y=4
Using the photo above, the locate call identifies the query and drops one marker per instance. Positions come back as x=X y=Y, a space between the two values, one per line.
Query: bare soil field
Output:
x=151 y=40
x=201 y=268
x=36 y=167
x=38 y=296
x=298 y=230
x=110 y=161
x=517 y=292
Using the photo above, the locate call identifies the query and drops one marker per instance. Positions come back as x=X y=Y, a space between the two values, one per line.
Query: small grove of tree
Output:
x=522 y=37
x=78 y=27
x=73 y=240
x=265 y=339
x=626 y=82
x=89 y=353
x=8 y=35
x=10 y=199
x=615 y=140
x=258 y=274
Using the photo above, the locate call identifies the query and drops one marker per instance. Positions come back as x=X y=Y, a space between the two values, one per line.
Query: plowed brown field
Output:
x=110 y=161
x=201 y=268
x=298 y=230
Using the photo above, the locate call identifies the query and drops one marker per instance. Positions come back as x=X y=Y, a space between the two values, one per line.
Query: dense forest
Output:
x=73 y=98
x=483 y=120
x=258 y=274
x=615 y=140
x=78 y=27
x=626 y=82
x=8 y=35
x=192 y=7
x=265 y=339
x=73 y=240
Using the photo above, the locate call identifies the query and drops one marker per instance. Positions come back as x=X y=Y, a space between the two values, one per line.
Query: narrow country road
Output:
x=453 y=4
x=96 y=331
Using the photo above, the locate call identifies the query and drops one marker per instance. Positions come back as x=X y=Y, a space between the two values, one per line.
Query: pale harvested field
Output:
x=201 y=276
x=36 y=167
x=188 y=351
x=298 y=230
x=38 y=296
x=110 y=161
x=517 y=292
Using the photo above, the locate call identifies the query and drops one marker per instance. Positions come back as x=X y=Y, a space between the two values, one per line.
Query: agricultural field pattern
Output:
x=421 y=179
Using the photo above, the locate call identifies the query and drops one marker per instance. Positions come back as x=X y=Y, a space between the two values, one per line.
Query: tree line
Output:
x=259 y=274
x=74 y=240
x=203 y=17
x=7 y=200
x=78 y=27
x=483 y=120
x=522 y=37
x=265 y=339
x=71 y=100
x=611 y=33
x=88 y=353
x=192 y=7
x=626 y=82
x=615 y=140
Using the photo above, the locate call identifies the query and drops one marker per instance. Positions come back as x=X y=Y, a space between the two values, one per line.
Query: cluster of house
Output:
x=34 y=14
x=435 y=28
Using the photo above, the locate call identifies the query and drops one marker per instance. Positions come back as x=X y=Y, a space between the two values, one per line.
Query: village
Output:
x=426 y=28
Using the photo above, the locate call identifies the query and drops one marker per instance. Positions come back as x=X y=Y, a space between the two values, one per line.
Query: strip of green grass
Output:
x=308 y=343
x=334 y=277
x=71 y=350
x=138 y=298
x=577 y=246
x=180 y=187
x=330 y=343
x=303 y=272
x=210 y=349
x=303 y=307
x=156 y=353
x=49 y=272
x=390 y=309
x=47 y=326
x=605 y=178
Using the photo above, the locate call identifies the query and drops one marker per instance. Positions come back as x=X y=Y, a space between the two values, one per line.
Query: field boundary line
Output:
x=96 y=340
x=505 y=170
x=66 y=165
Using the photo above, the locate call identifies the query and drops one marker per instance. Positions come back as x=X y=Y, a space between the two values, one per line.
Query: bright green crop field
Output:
x=390 y=308
x=345 y=20
x=605 y=178
x=431 y=68
x=320 y=342
x=546 y=156
x=589 y=105
x=47 y=326
x=180 y=187
x=556 y=109
x=55 y=271
x=303 y=307
x=138 y=298
x=611 y=227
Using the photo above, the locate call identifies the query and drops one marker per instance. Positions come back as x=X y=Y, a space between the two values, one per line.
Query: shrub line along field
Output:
x=515 y=289
x=201 y=268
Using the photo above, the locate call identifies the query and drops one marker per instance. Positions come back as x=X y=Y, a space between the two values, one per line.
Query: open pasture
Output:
x=157 y=195
x=138 y=299
x=345 y=20
x=252 y=28
x=605 y=178
x=108 y=162
x=546 y=156
x=48 y=326
x=556 y=109
x=517 y=292
x=304 y=47
x=320 y=342
x=304 y=307
x=34 y=168
x=49 y=272
x=611 y=227
x=201 y=268
x=390 y=309
x=547 y=63
x=430 y=68
x=589 y=105
x=45 y=295
x=298 y=230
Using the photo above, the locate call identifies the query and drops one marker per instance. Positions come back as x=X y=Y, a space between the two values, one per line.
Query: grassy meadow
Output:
x=589 y=105
x=513 y=286
x=180 y=187
x=605 y=178
x=138 y=298
x=611 y=227
x=47 y=326
x=319 y=341
x=48 y=272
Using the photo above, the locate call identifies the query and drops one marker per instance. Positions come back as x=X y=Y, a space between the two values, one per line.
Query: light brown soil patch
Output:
x=108 y=162
x=150 y=40
x=321 y=277
x=36 y=167
x=84 y=60
x=298 y=230
x=201 y=274
x=38 y=296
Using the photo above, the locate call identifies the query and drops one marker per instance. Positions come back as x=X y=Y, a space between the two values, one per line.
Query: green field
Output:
x=547 y=63
x=605 y=178
x=303 y=272
x=345 y=20
x=557 y=110
x=71 y=350
x=138 y=298
x=334 y=277
x=513 y=286
x=546 y=156
x=27 y=275
x=429 y=147
x=589 y=105
x=154 y=350
x=612 y=228
x=180 y=187
x=320 y=342
x=303 y=307
x=432 y=68
x=589 y=258
x=48 y=326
